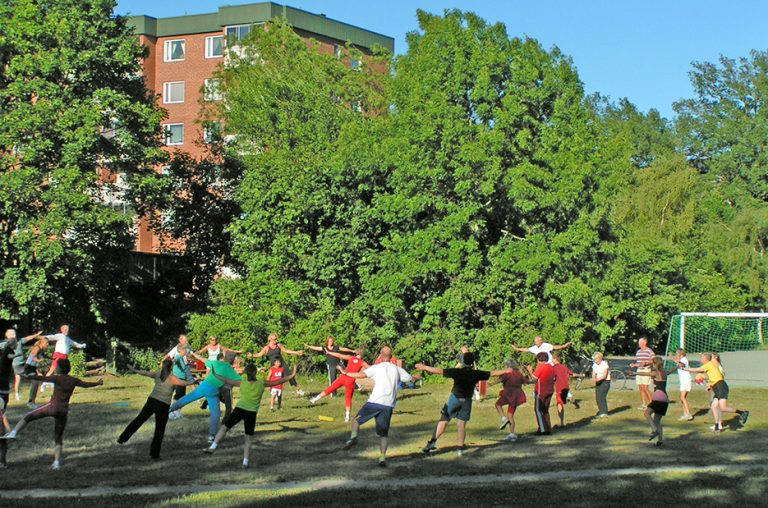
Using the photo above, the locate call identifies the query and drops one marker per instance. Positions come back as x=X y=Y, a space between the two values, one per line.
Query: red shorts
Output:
x=56 y=357
x=511 y=399
x=562 y=395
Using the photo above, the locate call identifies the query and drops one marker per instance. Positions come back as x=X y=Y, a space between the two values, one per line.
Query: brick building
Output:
x=185 y=51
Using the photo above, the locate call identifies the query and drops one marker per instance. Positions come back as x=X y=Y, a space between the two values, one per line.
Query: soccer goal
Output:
x=719 y=332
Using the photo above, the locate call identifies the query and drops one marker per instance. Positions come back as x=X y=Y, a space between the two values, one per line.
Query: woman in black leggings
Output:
x=158 y=404
x=274 y=350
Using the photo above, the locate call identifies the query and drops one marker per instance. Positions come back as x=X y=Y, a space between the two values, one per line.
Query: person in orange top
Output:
x=712 y=368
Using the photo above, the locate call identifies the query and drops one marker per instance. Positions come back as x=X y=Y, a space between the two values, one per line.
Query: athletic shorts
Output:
x=562 y=395
x=248 y=418
x=58 y=415
x=276 y=392
x=720 y=390
x=383 y=415
x=56 y=357
x=659 y=407
x=461 y=409
x=18 y=369
x=644 y=380
x=511 y=399
x=4 y=402
x=685 y=386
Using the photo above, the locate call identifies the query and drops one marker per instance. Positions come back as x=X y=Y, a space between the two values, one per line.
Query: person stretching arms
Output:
x=710 y=366
x=355 y=363
x=251 y=390
x=57 y=408
x=158 y=403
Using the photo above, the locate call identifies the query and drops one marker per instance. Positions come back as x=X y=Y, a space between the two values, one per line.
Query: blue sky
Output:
x=641 y=50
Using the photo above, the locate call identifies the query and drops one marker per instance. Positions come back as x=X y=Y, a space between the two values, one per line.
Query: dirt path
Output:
x=346 y=484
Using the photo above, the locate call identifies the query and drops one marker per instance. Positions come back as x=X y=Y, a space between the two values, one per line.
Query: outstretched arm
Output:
x=500 y=372
x=259 y=354
x=180 y=382
x=226 y=380
x=343 y=349
x=289 y=351
x=339 y=355
x=275 y=382
x=562 y=346
x=519 y=349
x=356 y=375
x=29 y=338
x=318 y=349
x=87 y=384
x=141 y=372
x=427 y=368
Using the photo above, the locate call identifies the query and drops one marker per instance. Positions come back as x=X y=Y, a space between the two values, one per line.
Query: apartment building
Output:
x=185 y=51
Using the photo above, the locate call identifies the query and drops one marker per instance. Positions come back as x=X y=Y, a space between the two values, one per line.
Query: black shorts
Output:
x=720 y=390
x=461 y=409
x=659 y=407
x=248 y=418
x=383 y=415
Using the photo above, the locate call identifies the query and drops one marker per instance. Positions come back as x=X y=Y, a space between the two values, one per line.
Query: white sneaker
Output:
x=10 y=435
x=459 y=452
x=32 y=405
x=55 y=466
x=504 y=422
x=314 y=400
x=346 y=418
x=511 y=438
x=245 y=464
x=300 y=393
x=18 y=397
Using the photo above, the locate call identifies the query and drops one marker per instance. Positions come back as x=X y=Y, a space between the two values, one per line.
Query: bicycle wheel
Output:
x=618 y=380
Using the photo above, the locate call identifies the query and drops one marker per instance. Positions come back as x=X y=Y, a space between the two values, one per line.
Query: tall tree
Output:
x=72 y=103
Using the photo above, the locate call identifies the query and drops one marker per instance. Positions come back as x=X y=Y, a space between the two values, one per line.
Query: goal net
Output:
x=718 y=332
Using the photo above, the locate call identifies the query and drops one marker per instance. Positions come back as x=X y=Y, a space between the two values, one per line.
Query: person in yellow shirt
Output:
x=710 y=365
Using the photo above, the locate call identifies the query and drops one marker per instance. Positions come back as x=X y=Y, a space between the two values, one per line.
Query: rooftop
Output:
x=259 y=13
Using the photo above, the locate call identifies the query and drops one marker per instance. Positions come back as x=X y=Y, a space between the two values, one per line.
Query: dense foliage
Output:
x=72 y=102
x=474 y=195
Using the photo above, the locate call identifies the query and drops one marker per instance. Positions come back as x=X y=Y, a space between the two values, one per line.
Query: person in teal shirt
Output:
x=251 y=390
x=209 y=389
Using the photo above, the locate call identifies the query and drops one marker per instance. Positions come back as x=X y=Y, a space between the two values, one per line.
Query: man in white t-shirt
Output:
x=387 y=377
x=539 y=346
x=685 y=383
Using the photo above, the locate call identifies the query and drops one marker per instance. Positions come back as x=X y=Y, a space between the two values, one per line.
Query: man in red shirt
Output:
x=544 y=379
x=562 y=386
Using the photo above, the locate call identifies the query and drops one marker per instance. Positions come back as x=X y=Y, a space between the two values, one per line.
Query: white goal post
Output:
x=759 y=316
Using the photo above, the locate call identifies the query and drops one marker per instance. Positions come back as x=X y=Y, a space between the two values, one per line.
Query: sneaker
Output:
x=55 y=466
x=659 y=443
x=32 y=405
x=653 y=435
x=209 y=450
x=350 y=443
x=689 y=418
x=511 y=438
x=300 y=393
x=18 y=397
x=431 y=445
x=576 y=404
x=382 y=462
x=272 y=409
x=460 y=452
x=641 y=408
x=602 y=415
x=744 y=417
x=245 y=464
x=346 y=418
x=10 y=435
x=314 y=400
x=504 y=422
x=684 y=418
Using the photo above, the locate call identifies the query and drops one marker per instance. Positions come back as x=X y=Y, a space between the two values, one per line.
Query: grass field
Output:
x=294 y=446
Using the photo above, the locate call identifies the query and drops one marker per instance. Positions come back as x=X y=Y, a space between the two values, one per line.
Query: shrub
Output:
x=145 y=358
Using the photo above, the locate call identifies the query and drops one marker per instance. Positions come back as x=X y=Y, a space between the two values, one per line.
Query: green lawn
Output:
x=293 y=445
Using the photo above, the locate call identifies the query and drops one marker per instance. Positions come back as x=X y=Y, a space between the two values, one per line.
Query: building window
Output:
x=337 y=51
x=212 y=90
x=355 y=64
x=173 y=92
x=174 y=50
x=211 y=132
x=173 y=134
x=214 y=46
x=237 y=33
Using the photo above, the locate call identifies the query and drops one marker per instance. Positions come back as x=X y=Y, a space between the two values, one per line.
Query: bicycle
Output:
x=584 y=367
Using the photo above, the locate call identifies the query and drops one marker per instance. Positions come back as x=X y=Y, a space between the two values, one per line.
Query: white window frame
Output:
x=167 y=50
x=166 y=137
x=209 y=46
x=207 y=131
x=167 y=92
x=356 y=64
x=337 y=51
x=212 y=94
x=239 y=38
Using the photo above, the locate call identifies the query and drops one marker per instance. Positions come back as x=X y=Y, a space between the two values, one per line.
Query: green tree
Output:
x=72 y=104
